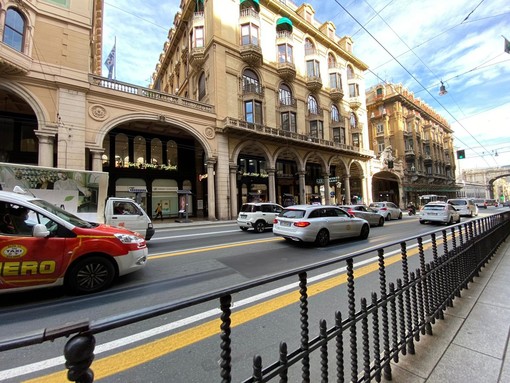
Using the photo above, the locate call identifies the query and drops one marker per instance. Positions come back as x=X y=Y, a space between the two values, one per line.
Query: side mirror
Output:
x=40 y=231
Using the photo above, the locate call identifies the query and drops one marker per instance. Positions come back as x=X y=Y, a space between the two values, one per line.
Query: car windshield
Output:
x=293 y=213
x=377 y=204
x=457 y=202
x=62 y=214
x=249 y=208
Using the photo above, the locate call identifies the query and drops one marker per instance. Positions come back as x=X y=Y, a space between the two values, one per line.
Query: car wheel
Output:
x=90 y=275
x=458 y=221
x=322 y=238
x=244 y=228
x=422 y=222
x=259 y=226
x=450 y=221
x=381 y=221
x=400 y=216
x=365 y=230
x=388 y=217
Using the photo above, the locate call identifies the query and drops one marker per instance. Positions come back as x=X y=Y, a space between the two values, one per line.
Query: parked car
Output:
x=42 y=245
x=440 y=212
x=465 y=206
x=258 y=215
x=361 y=211
x=318 y=224
x=506 y=203
x=388 y=210
x=491 y=202
x=480 y=203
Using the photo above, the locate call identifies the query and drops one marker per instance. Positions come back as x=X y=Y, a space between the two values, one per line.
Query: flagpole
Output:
x=115 y=60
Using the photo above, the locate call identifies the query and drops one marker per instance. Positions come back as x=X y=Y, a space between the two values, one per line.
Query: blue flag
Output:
x=110 y=62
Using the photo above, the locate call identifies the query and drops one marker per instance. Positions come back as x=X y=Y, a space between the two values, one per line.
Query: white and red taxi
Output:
x=42 y=245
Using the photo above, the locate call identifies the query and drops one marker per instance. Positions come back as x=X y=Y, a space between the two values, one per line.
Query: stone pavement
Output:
x=471 y=344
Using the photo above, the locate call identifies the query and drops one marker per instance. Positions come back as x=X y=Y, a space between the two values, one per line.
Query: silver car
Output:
x=361 y=211
x=388 y=209
x=465 y=206
x=319 y=224
x=440 y=212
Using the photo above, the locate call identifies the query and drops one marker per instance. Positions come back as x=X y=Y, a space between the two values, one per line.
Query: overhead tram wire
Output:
x=415 y=79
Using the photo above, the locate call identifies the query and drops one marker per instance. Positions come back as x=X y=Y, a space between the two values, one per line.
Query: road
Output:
x=183 y=346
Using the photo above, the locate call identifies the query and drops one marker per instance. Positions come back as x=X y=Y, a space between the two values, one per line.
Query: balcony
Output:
x=197 y=57
x=336 y=94
x=313 y=83
x=410 y=154
x=251 y=54
x=427 y=160
x=13 y=62
x=286 y=71
x=354 y=103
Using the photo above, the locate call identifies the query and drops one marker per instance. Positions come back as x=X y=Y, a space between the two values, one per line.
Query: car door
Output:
x=338 y=223
x=27 y=261
x=129 y=217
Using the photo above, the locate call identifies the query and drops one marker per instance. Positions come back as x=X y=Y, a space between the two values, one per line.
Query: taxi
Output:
x=42 y=245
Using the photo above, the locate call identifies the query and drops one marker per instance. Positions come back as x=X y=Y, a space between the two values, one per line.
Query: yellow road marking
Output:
x=228 y=246
x=145 y=353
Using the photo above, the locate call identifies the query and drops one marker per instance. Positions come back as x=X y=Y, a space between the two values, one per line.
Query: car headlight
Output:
x=128 y=238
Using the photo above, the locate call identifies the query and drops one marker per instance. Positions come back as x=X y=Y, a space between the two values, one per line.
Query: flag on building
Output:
x=110 y=62
x=507 y=45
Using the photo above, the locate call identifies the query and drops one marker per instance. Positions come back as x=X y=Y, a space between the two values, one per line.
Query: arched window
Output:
x=139 y=150
x=285 y=95
x=309 y=47
x=121 y=151
x=353 y=121
x=350 y=72
x=171 y=153
x=14 y=29
x=250 y=82
x=201 y=87
x=156 y=152
x=335 y=115
x=313 y=107
x=331 y=61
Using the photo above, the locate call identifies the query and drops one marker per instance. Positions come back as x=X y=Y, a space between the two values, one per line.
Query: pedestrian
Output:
x=159 y=212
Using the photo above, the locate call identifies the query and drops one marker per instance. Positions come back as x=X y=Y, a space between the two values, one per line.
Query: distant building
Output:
x=417 y=140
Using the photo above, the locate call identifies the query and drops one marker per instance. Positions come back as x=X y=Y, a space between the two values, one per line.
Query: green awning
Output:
x=283 y=24
x=250 y=3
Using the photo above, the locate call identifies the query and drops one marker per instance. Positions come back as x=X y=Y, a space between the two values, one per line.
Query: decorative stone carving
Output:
x=209 y=133
x=98 y=112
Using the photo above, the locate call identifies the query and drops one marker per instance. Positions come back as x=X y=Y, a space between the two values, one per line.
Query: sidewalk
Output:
x=470 y=345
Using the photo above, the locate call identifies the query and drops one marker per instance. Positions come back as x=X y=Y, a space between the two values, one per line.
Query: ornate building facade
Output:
x=413 y=146
x=248 y=102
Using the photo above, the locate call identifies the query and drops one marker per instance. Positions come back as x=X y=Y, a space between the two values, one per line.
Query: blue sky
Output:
x=412 y=42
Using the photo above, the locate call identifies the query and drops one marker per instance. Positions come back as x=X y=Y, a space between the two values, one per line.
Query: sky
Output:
x=412 y=42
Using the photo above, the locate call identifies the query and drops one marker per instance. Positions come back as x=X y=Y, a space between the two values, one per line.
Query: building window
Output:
x=380 y=146
x=285 y=95
x=350 y=73
x=353 y=121
x=353 y=90
x=171 y=153
x=335 y=81
x=380 y=129
x=355 y=139
x=198 y=37
x=249 y=34
x=14 y=29
x=309 y=47
x=339 y=135
x=378 y=92
x=156 y=152
x=313 y=68
x=121 y=151
x=285 y=53
x=313 y=107
x=253 y=111
x=139 y=150
x=251 y=82
x=288 y=121
x=316 y=129
x=335 y=115
x=201 y=87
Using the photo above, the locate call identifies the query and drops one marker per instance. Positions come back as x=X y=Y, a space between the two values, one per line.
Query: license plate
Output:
x=284 y=223
x=243 y=215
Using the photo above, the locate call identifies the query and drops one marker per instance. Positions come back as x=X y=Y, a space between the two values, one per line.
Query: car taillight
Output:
x=301 y=224
x=383 y=208
x=275 y=221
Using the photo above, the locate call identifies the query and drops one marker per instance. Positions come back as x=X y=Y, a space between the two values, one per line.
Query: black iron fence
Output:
x=361 y=343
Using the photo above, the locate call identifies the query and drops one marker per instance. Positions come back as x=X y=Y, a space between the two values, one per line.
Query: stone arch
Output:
x=239 y=148
x=297 y=156
x=42 y=115
x=113 y=123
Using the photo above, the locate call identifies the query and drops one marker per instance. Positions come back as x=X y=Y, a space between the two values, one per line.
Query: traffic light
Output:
x=461 y=154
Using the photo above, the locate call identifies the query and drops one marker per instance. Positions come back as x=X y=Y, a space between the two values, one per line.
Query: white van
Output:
x=124 y=212
x=465 y=206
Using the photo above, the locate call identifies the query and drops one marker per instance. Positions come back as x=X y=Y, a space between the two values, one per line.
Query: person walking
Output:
x=159 y=212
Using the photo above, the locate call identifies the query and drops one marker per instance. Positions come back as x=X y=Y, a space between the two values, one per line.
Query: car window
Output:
x=457 y=202
x=266 y=209
x=277 y=209
x=392 y=205
x=316 y=213
x=246 y=208
x=433 y=207
x=293 y=213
